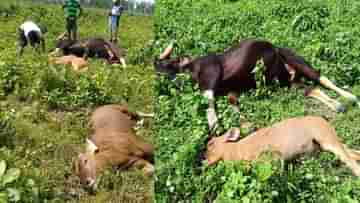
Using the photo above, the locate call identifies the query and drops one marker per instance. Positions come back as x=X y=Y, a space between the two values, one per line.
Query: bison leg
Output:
x=331 y=103
x=122 y=61
x=339 y=150
x=145 y=166
x=327 y=83
x=211 y=114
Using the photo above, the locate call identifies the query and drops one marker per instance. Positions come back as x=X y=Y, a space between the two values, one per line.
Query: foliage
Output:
x=14 y=188
x=324 y=32
x=8 y=131
x=45 y=107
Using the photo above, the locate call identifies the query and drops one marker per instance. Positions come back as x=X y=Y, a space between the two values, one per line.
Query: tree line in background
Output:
x=133 y=7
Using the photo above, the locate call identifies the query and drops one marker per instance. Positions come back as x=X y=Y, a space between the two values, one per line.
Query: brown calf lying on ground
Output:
x=78 y=63
x=290 y=138
x=113 y=143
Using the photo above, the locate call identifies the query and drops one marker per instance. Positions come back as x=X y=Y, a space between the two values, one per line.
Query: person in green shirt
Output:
x=72 y=10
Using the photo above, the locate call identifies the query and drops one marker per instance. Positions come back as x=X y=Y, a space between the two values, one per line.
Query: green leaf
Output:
x=11 y=175
x=14 y=194
x=264 y=171
x=2 y=168
x=3 y=197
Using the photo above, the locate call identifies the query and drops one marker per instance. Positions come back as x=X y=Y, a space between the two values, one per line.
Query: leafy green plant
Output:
x=8 y=132
x=321 y=31
x=8 y=177
x=45 y=107
x=11 y=190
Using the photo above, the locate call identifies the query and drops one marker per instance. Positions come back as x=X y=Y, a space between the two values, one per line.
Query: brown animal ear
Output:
x=232 y=135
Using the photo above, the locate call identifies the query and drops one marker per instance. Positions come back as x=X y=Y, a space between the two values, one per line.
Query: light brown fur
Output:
x=289 y=138
x=116 y=142
x=78 y=64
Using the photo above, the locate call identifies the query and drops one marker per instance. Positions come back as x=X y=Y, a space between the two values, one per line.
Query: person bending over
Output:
x=31 y=33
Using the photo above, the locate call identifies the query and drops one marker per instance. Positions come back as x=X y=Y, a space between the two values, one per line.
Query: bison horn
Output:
x=167 y=51
x=91 y=147
x=55 y=52
x=232 y=135
x=148 y=115
x=62 y=36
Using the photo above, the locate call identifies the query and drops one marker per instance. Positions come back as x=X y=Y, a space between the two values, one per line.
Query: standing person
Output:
x=114 y=19
x=31 y=33
x=72 y=11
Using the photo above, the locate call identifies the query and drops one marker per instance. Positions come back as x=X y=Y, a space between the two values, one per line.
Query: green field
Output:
x=45 y=108
x=325 y=32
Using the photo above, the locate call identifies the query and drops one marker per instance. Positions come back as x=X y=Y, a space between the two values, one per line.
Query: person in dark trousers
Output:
x=31 y=33
x=72 y=10
x=114 y=19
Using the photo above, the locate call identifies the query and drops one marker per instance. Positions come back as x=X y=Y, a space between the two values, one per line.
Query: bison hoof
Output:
x=340 y=108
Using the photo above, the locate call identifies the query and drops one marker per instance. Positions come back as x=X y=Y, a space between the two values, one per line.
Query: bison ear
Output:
x=232 y=135
x=91 y=147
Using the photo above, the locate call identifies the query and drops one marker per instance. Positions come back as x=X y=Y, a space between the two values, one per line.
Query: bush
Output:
x=8 y=132
x=321 y=31
x=14 y=188
x=66 y=89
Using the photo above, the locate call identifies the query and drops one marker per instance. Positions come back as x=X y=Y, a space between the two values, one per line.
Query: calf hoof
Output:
x=149 y=170
x=340 y=108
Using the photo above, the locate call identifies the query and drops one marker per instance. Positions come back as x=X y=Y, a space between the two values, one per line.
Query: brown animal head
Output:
x=168 y=66
x=85 y=166
x=216 y=145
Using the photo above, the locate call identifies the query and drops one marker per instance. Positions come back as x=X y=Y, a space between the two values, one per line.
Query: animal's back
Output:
x=291 y=137
x=113 y=130
x=241 y=59
x=112 y=117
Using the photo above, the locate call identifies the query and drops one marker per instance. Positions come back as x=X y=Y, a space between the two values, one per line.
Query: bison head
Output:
x=171 y=67
x=217 y=145
x=62 y=45
x=86 y=165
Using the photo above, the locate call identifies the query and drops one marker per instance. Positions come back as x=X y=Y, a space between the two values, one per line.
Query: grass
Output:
x=48 y=138
x=321 y=31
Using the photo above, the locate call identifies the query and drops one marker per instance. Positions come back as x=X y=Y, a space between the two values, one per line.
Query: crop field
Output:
x=325 y=32
x=45 y=108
